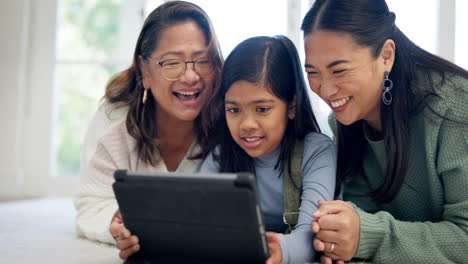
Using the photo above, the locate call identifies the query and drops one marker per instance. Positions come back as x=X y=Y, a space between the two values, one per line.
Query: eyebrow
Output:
x=180 y=53
x=261 y=101
x=329 y=65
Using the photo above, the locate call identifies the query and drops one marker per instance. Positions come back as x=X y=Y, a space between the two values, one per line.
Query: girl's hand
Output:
x=274 y=247
x=337 y=228
x=126 y=243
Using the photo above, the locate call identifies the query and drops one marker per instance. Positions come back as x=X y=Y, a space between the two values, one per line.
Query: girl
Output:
x=265 y=118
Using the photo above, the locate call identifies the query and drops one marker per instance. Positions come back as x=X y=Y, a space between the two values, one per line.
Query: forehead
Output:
x=243 y=91
x=185 y=37
x=324 y=46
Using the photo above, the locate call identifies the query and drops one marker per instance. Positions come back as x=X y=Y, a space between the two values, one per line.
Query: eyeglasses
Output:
x=173 y=69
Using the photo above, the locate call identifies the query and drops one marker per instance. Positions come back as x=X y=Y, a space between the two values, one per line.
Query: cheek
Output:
x=232 y=125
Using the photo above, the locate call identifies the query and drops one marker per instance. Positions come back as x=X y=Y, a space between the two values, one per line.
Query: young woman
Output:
x=151 y=118
x=402 y=133
x=265 y=114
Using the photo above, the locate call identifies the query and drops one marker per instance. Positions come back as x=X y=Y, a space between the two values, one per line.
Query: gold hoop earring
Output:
x=145 y=95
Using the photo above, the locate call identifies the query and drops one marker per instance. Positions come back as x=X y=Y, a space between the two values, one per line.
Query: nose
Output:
x=248 y=122
x=326 y=89
x=190 y=76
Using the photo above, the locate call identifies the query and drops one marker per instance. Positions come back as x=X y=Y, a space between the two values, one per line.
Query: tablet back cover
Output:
x=212 y=217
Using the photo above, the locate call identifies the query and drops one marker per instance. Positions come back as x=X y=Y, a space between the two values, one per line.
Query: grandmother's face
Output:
x=179 y=98
x=345 y=75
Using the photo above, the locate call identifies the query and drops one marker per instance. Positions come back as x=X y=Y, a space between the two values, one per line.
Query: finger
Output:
x=332 y=256
x=124 y=233
x=273 y=237
x=332 y=221
x=330 y=207
x=339 y=261
x=124 y=254
x=127 y=243
x=328 y=236
x=315 y=226
x=318 y=245
x=326 y=260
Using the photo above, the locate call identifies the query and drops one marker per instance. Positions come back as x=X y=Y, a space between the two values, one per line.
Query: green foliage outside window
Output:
x=86 y=53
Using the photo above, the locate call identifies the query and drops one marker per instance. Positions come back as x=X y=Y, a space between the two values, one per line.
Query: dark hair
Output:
x=370 y=24
x=274 y=63
x=125 y=89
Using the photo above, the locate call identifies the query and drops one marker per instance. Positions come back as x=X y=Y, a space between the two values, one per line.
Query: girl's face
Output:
x=181 y=99
x=346 y=76
x=256 y=118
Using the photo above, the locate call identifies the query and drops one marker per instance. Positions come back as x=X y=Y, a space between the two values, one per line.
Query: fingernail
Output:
x=316 y=213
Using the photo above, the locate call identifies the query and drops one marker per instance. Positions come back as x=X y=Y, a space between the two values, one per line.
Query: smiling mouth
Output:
x=252 y=142
x=340 y=102
x=187 y=96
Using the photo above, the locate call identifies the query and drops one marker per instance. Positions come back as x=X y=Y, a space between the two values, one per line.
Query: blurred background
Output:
x=57 y=56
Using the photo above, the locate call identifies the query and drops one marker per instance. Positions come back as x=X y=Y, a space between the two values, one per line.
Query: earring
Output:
x=145 y=95
x=291 y=115
x=387 y=85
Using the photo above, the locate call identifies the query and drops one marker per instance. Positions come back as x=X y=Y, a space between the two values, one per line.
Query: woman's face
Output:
x=256 y=118
x=346 y=76
x=181 y=99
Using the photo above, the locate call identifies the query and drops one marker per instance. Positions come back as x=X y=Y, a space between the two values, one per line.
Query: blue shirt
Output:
x=318 y=183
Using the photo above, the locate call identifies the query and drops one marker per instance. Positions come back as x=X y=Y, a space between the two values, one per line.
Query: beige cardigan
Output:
x=107 y=147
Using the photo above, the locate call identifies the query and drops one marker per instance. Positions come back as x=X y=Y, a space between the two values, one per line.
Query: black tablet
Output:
x=196 y=217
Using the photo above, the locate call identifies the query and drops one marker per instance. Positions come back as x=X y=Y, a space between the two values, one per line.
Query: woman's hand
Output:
x=274 y=247
x=337 y=228
x=126 y=243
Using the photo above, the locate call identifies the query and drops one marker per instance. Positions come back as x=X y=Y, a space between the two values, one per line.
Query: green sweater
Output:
x=428 y=220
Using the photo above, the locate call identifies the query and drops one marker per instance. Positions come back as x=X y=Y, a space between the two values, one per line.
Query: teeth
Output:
x=252 y=139
x=186 y=93
x=340 y=102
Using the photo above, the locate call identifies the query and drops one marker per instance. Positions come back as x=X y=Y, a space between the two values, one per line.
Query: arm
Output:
x=318 y=183
x=95 y=202
x=437 y=242
x=102 y=154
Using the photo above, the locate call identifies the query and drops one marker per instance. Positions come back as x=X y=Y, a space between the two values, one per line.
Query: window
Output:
x=86 y=58
x=96 y=38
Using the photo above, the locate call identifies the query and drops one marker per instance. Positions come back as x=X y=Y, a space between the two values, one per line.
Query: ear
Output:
x=144 y=72
x=387 y=54
x=292 y=109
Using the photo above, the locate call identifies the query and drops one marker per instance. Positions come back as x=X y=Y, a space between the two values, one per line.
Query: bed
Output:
x=43 y=231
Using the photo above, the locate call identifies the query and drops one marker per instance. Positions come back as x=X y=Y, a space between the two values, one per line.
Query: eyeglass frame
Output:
x=161 y=63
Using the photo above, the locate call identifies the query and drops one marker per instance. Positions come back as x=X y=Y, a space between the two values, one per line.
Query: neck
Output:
x=174 y=133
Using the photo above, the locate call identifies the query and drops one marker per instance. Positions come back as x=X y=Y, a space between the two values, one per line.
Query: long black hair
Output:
x=274 y=63
x=370 y=24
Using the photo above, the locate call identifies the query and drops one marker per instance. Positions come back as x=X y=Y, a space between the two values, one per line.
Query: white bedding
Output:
x=43 y=231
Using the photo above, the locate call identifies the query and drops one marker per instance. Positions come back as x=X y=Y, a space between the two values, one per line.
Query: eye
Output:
x=338 y=71
x=232 y=109
x=311 y=73
x=262 y=109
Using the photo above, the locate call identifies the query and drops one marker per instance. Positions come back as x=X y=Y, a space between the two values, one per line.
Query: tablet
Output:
x=197 y=217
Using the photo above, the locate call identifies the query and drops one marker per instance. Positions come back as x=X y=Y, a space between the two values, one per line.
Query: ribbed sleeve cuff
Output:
x=371 y=235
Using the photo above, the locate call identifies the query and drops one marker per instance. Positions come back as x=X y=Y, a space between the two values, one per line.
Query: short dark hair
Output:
x=274 y=63
x=370 y=23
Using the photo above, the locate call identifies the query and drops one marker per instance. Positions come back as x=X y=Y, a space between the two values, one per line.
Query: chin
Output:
x=345 y=121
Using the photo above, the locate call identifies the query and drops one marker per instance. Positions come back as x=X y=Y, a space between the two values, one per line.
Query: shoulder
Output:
x=450 y=97
x=107 y=129
x=318 y=143
x=211 y=164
